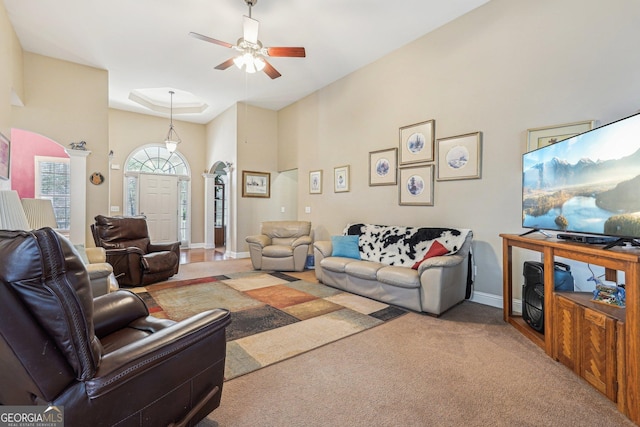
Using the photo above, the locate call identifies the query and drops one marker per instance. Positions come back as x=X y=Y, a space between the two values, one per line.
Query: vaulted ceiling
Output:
x=145 y=46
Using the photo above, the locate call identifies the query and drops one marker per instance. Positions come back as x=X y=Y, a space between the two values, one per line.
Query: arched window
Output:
x=156 y=159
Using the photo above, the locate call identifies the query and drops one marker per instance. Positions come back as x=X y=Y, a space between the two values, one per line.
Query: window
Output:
x=156 y=159
x=53 y=182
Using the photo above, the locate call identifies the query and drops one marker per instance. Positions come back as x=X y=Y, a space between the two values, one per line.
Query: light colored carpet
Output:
x=466 y=368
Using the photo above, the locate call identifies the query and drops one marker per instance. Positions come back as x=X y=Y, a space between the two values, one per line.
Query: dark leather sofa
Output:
x=105 y=360
x=135 y=260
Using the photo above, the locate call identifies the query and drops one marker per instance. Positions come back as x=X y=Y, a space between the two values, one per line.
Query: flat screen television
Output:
x=588 y=184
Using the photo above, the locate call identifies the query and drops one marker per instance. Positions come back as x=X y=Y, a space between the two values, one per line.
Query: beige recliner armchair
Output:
x=101 y=276
x=281 y=246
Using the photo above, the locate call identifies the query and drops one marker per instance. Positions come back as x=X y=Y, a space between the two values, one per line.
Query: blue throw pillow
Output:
x=345 y=246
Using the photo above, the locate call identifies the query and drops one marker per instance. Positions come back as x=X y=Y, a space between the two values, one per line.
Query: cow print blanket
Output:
x=404 y=246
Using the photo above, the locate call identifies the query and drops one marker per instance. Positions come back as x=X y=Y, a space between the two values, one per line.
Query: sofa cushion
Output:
x=336 y=264
x=277 y=251
x=401 y=277
x=363 y=269
x=345 y=246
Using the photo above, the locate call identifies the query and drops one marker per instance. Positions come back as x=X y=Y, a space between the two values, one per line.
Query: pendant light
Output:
x=172 y=140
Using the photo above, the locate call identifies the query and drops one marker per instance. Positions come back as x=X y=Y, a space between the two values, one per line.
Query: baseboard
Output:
x=494 y=301
x=231 y=254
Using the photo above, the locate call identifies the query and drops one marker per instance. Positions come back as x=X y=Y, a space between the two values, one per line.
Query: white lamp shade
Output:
x=39 y=213
x=12 y=215
x=171 y=145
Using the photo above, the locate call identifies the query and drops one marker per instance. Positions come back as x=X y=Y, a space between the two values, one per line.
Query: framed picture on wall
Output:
x=383 y=168
x=541 y=137
x=459 y=157
x=416 y=143
x=315 y=182
x=5 y=154
x=256 y=184
x=341 y=179
x=416 y=186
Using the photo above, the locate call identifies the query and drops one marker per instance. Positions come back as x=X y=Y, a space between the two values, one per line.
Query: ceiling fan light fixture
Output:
x=251 y=49
x=250 y=61
x=172 y=140
x=239 y=61
x=259 y=63
x=249 y=66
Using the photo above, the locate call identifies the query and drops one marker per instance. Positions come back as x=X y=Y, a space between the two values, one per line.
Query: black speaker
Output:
x=533 y=290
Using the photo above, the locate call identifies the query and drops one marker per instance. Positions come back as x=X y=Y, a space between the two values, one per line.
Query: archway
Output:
x=217 y=205
x=63 y=169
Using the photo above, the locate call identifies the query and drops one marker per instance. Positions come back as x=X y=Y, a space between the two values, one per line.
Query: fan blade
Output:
x=270 y=71
x=250 y=30
x=226 y=64
x=210 y=40
x=297 y=52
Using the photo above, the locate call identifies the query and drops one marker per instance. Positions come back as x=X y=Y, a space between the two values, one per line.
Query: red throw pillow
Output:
x=436 y=249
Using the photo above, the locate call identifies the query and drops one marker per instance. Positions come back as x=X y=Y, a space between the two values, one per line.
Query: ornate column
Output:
x=209 y=209
x=78 y=195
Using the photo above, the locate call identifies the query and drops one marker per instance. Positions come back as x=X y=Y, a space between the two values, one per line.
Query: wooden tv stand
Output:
x=622 y=329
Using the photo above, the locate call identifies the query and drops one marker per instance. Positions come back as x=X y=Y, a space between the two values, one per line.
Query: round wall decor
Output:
x=96 y=178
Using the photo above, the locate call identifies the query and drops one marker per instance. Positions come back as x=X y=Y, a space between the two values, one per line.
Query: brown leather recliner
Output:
x=104 y=360
x=135 y=260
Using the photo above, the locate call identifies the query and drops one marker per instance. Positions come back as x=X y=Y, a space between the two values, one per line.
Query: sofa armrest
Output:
x=175 y=344
x=441 y=261
x=99 y=270
x=126 y=263
x=449 y=260
x=115 y=310
x=324 y=247
x=160 y=247
x=259 y=239
x=302 y=240
x=96 y=255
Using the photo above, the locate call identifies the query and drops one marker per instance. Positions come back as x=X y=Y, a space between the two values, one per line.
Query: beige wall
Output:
x=7 y=36
x=501 y=69
x=222 y=138
x=129 y=131
x=247 y=136
x=10 y=76
x=67 y=102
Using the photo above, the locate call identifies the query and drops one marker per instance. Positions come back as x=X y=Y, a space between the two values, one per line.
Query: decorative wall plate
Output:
x=96 y=178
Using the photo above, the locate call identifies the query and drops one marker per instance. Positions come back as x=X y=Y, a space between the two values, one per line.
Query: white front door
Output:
x=158 y=201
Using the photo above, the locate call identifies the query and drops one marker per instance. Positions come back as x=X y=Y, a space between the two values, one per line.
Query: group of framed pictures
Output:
x=341 y=180
x=412 y=165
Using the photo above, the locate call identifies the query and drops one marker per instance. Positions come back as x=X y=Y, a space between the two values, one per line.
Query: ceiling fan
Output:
x=252 y=53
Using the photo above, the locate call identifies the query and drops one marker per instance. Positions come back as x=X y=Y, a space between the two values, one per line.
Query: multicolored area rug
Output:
x=274 y=316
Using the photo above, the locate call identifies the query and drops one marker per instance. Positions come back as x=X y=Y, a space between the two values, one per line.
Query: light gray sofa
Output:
x=385 y=272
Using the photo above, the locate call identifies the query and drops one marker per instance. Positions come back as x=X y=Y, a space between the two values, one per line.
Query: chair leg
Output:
x=185 y=420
